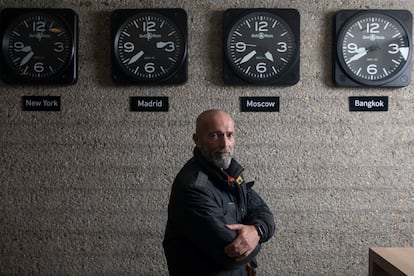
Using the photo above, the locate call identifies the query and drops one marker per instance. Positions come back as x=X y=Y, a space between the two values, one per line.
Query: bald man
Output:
x=216 y=221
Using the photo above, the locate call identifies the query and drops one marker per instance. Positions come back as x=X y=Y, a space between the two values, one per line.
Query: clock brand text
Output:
x=262 y=35
x=373 y=37
x=39 y=35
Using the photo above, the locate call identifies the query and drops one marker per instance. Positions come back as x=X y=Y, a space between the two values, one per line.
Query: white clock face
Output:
x=149 y=47
x=373 y=48
x=260 y=47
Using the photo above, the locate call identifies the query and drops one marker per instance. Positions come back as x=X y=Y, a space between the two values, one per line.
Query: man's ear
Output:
x=195 y=139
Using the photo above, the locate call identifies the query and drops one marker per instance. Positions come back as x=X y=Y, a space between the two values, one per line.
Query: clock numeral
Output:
x=372 y=28
x=128 y=47
x=282 y=47
x=240 y=47
x=148 y=26
x=261 y=26
x=372 y=69
x=39 y=26
x=59 y=47
x=394 y=48
x=352 y=48
x=261 y=67
x=39 y=67
x=149 y=68
x=170 y=47
x=18 y=46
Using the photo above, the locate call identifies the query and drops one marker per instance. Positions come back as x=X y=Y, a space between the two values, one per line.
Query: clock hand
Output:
x=360 y=53
x=26 y=58
x=269 y=56
x=25 y=49
x=136 y=57
x=404 y=52
x=161 y=44
x=247 y=57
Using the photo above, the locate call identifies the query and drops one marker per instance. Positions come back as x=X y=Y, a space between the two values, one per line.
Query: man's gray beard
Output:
x=222 y=163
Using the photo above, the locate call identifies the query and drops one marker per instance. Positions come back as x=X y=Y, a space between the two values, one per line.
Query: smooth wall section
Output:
x=84 y=191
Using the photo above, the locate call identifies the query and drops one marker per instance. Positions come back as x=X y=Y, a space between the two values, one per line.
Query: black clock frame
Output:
x=178 y=17
x=340 y=76
x=290 y=75
x=68 y=74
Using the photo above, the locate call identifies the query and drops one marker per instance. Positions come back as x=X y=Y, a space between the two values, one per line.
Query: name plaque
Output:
x=155 y=104
x=41 y=103
x=259 y=104
x=368 y=103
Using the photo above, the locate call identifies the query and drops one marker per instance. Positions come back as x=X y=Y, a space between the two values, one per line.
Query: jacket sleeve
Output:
x=258 y=213
x=203 y=221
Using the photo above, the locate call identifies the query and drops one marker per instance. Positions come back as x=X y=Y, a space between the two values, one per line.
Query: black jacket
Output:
x=202 y=201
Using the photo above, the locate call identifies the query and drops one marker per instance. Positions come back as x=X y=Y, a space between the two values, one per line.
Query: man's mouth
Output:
x=222 y=153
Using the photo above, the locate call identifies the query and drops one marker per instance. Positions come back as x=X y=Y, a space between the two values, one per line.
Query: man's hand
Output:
x=246 y=241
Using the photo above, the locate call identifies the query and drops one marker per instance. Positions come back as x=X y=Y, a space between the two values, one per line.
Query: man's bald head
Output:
x=210 y=116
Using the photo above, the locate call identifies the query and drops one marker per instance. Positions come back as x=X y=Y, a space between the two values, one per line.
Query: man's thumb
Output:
x=234 y=226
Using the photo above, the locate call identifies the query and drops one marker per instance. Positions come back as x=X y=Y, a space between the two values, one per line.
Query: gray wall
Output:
x=84 y=191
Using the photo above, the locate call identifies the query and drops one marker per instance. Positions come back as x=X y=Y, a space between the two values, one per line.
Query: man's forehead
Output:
x=220 y=123
x=215 y=120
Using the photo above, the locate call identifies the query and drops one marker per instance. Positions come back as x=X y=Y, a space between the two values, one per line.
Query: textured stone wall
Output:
x=84 y=191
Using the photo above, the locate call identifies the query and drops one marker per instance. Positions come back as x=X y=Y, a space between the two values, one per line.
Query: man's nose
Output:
x=224 y=141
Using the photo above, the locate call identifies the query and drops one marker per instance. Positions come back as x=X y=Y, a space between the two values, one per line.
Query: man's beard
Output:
x=223 y=162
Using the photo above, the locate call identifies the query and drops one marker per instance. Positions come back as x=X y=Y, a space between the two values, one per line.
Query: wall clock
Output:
x=261 y=46
x=372 y=48
x=39 y=46
x=149 y=46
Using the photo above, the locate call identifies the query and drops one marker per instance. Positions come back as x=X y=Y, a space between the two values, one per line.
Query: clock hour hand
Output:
x=360 y=53
x=136 y=57
x=26 y=58
x=269 y=56
x=247 y=57
x=25 y=49
x=167 y=46
x=161 y=44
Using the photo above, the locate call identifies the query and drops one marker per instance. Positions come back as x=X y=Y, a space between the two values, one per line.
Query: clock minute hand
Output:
x=136 y=57
x=26 y=58
x=247 y=57
x=360 y=53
